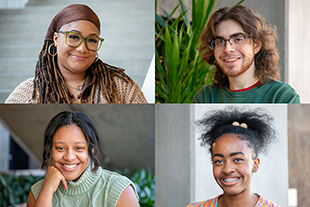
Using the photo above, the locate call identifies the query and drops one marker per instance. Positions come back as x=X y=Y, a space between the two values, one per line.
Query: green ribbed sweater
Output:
x=271 y=92
x=100 y=189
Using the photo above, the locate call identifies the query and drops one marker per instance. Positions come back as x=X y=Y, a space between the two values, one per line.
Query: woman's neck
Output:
x=75 y=83
x=243 y=199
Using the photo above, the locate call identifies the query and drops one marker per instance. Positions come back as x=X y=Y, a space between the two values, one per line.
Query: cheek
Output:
x=216 y=172
x=55 y=156
x=216 y=55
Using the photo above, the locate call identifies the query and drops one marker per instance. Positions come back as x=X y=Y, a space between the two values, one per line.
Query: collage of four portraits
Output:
x=147 y=103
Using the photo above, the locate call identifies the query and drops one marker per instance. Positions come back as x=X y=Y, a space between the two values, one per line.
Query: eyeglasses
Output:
x=220 y=43
x=75 y=39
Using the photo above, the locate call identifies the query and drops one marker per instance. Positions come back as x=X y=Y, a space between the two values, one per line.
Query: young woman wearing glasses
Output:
x=69 y=69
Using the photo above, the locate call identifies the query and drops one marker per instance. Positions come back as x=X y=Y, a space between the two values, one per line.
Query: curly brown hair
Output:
x=254 y=25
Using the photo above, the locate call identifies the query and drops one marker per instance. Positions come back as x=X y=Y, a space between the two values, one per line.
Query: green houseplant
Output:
x=180 y=71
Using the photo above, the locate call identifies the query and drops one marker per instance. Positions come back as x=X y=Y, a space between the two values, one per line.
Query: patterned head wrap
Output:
x=69 y=14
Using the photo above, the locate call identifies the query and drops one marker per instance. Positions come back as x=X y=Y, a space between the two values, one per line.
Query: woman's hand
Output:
x=52 y=179
x=51 y=182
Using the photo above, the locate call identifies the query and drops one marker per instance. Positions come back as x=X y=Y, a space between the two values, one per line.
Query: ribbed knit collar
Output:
x=84 y=183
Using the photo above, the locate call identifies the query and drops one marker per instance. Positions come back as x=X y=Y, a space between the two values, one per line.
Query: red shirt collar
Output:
x=245 y=89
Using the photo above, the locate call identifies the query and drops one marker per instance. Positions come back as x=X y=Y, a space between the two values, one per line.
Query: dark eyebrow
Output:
x=230 y=155
x=92 y=34
x=236 y=153
x=231 y=36
x=218 y=155
x=74 y=142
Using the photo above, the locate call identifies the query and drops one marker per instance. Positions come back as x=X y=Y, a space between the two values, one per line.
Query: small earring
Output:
x=97 y=57
x=49 y=50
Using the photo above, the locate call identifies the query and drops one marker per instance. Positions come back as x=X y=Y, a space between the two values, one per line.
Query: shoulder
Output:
x=36 y=188
x=283 y=93
x=22 y=93
x=205 y=94
x=129 y=90
x=115 y=179
x=115 y=184
x=264 y=202
x=207 y=203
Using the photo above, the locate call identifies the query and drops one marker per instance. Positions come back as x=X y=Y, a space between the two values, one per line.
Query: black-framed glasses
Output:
x=220 y=43
x=75 y=39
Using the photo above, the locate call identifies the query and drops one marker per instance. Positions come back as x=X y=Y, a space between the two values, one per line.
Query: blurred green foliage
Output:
x=15 y=190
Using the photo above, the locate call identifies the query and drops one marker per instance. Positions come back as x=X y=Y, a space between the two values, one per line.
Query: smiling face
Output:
x=233 y=164
x=75 y=60
x=69 y=152
x=235 y=60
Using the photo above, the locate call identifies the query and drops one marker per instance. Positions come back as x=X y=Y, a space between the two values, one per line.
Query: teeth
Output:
x=230 y=180
x=70 y=166
x=231 y=59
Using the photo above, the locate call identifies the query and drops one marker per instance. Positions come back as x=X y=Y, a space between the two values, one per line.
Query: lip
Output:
x=231 y=60
x=71 y=168
x=230 y=180
x=79 y=57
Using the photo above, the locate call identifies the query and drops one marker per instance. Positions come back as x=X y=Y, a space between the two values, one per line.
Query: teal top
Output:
x=271 y=92
x=102 y=188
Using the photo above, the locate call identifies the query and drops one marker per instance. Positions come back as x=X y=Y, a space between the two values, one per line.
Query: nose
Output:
x=70 y=155
x=82 y=48
x=228 y=168
x=228 y=47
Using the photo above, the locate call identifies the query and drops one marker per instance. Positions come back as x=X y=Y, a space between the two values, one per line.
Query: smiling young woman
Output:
x=236 y=139
x=69 y=69
x=71 y=143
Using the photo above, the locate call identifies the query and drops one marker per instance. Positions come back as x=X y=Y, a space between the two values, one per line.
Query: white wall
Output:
x=298 y=47
x=183 y=168
x=12 y=4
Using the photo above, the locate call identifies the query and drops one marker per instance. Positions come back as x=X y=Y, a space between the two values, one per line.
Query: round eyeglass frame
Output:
x=86 y=39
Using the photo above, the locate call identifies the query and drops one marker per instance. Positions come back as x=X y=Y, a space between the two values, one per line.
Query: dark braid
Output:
x=50 y=87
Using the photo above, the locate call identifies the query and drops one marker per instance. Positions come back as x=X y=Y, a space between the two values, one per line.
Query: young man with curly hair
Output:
x=242 y=47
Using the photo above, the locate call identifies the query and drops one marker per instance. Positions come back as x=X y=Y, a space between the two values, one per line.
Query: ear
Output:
x=257 y=46
x=55 y=38
x=256 y=165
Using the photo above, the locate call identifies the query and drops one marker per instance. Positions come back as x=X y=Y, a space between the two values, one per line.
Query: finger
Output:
x=64 y=182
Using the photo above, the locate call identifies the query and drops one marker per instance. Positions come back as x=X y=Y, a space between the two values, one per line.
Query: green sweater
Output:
x=271 y=92
x=100 y=189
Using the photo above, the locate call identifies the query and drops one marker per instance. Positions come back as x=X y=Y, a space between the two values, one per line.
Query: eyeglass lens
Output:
x=75 y=39
x=221 y=43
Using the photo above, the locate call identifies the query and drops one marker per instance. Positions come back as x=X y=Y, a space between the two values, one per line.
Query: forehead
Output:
x=69 y=134
x=227 y=28
x=83 y=26
x=229 y=143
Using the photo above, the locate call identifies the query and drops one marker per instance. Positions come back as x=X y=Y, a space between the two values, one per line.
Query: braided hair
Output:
x=50 y=87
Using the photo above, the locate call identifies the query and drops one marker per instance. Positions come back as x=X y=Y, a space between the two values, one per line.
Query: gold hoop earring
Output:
x=97 y=57
x=49 y=50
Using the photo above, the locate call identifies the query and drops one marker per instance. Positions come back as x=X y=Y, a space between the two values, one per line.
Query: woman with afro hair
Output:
x=236 y=139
